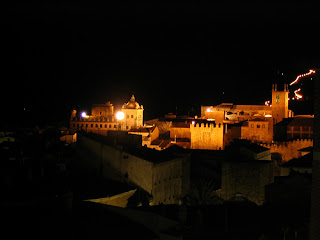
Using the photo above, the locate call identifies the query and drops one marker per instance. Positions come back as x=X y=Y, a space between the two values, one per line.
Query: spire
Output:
x=132 y=98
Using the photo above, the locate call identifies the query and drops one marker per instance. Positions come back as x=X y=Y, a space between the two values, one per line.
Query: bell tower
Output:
x=280 y=103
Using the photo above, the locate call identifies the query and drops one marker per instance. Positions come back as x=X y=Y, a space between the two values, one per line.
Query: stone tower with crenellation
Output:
x=280 y=103
x=207 y=136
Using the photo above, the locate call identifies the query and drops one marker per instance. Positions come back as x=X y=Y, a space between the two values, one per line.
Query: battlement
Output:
x=207 y=125
x=287 y=143
x=290 y=149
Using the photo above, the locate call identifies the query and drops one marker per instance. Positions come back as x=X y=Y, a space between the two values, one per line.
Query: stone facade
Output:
x=280 y=103
x=207 y=136
x=289 y=149
x=133 y=115
x=167 y=180
x=103 y=110
x=103 y=119
x=180 y=130
x=246 y=177
x=256 y=130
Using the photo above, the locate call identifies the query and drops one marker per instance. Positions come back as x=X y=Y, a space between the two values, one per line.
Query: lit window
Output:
x=263 y=126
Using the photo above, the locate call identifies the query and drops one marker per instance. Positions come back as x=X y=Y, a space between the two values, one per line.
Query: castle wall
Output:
x=289 y=150
x=207 y=136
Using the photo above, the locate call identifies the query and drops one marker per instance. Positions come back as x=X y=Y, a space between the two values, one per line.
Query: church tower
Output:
x=280 y=103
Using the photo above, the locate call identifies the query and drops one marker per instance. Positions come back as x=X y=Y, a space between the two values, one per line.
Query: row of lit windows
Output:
x=110 y=126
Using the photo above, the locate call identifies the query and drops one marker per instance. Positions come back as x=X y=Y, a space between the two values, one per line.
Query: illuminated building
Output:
x=229 y=113
x=133 y=114
x=103 y=118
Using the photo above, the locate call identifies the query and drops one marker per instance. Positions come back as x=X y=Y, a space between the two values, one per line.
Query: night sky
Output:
x=171 y=57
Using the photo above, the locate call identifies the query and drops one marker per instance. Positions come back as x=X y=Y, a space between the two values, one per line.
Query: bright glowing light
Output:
x=267 y=115
x=83 y=114
x=267 y=103
x=311 y=71
x=193 y=122
x=208 y=110
x=298 y=96
x=120 y=115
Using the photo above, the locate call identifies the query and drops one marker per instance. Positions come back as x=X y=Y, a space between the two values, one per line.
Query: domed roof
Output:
x=132 y=104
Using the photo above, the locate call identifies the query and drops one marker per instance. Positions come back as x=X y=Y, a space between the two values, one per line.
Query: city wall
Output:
x=288 y=150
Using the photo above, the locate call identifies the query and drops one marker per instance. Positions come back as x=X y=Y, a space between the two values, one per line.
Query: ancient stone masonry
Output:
x=288 y=150
x=207 y=136
x=166 y=177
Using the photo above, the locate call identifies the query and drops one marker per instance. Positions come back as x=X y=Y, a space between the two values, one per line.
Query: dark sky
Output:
x=59 y=56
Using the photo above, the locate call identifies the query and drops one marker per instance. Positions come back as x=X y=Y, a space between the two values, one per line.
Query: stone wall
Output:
x=180 y=132
x=166 y=181
x=248 y=178
x=289 y=149
x=256 y=131
x=207 y=136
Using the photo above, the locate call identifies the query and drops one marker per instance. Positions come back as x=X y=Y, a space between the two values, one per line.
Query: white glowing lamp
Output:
x=120 y=115
x=208 y=110
x=83 y=114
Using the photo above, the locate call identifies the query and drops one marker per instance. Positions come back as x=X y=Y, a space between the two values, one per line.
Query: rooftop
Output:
x=304 y=161
x=242 y=143
x=145 y=153
x=296 y=121
x=230 y=106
